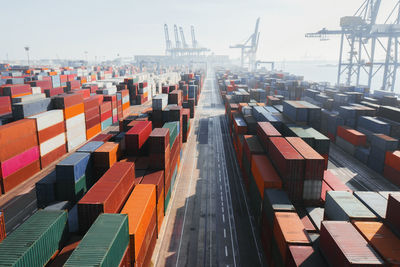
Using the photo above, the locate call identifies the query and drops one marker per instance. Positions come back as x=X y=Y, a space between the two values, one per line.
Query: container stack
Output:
x=73 y=177
x=105 y=244
x=124 y=95
x=142 y=216
x=19 y=153
x=113 y=100
x=105 y=115
x=159 y=103
x=51 y=136
x=392 y=167
x=73 y=107
x=351 y=141
x=380 y=144
x=185 y=124
x=136 y=137
x=105 y=157
x=108 y=194
x=92 y=116
x=36 y=241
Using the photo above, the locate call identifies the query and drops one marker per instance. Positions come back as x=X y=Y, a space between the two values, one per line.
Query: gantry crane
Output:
x=361 y=38
x=182 y=49
x=249 y=49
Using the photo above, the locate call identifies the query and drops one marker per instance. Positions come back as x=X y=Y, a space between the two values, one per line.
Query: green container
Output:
x=35 y=241
x=104 y=244
x=173 y=131
x=71 y=190
x=167 y=199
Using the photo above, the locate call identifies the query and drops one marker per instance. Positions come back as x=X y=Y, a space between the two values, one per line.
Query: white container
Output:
x=28 y=98
x=47 y=119
x=52 y=144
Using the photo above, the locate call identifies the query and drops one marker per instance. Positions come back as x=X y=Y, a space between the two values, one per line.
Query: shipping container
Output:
x=342 y=245
x=104 y=244
x=35 y=241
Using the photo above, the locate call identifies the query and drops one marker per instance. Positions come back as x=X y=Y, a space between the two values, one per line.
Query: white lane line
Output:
x=226 y=251
x=223 y=218
x=222 y=208
x=222 y=199
x=220 y=187
x=224 y=233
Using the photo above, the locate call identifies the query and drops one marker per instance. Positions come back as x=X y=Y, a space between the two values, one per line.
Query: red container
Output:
x=334 y=182
x=392 y=175
x=44 y=84
x=92 y=113
x=126 y=259
x=73 y=84
x=51 y=132
x=108 y=195
x=53 y=91
x=66 y=252
x=160 y=161
x=137 y=136
x=84 y=92
x=352 y=136
x=5 y=105
x=393 y=212
x=91 y=102
x=2 y=226
x=63 y=78
x=304 y=256
x=15 y=90
x=264 y=174
x=67 y=100
x=159 y=140
x=325 y=188
x=343 y=245
x=157 y=178
x=314 y=162
x=392 y=159
x=103 y=137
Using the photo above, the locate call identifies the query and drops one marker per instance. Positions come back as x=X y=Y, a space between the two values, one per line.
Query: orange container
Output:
x=73 y=111
x=93 y=131
x=289 y=230
x=264 y=174
x=23 y=94
x=352 y=136
x=106 y=155
x=382 y=239
x=126 y=106
x=145 y=94
x=393 y=160
x=139 y=207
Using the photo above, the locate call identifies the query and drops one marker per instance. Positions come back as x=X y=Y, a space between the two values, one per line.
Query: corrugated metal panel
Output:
x=35 y=241
x=104 y=244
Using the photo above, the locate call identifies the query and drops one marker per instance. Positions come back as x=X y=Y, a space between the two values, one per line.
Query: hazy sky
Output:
x=65 y=29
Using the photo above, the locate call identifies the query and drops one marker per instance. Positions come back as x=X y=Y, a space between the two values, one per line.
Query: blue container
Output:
x=362 y=154
x=385 y=144
x=73 y=167
x=374 y=125
x=46 y=190
x=90 y=147
x=105 y=124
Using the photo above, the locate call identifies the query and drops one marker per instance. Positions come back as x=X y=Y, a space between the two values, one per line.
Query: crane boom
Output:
x=167 y=40
x=177 y=42
x=194 y=41
x=184 y=44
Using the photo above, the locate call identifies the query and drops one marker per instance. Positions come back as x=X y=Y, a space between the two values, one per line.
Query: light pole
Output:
x=27 y=53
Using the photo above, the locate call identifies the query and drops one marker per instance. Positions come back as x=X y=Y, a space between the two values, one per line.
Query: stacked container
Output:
x=19 y=153
x=142 y=216
x=73 y=177
x=92 y=116
x=105 y=115
x=51 y=136
x=73 y=107
x=105 y=157
x=124 y=95
x=392 y=167
x=108 y=195
x=113 y=100
x=3 y=226
x=137 y=136
x=380 y=144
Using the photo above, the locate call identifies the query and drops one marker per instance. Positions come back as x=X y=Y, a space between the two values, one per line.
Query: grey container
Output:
x=275 y=200
x=26 y=109
x=346 y=146
x=35 y=241
x=374 y=201
x=343 y=206
x=316 y=215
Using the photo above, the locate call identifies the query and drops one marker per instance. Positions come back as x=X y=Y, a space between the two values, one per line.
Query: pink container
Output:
x=16 y=163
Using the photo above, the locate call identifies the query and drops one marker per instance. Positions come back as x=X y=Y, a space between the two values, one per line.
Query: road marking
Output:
x=222 y=208
x=226 y=251
x=220 y=187
x=224 y=233
x=223 y=218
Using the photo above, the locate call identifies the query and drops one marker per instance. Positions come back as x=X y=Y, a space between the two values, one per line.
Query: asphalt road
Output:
x=208 y=222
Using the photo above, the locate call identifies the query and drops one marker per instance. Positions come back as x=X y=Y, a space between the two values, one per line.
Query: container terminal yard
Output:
x=191 y=159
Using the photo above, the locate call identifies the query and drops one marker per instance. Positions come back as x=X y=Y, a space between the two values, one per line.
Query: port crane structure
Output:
x=182 y=48
x=361 y=37
x=249 y=49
